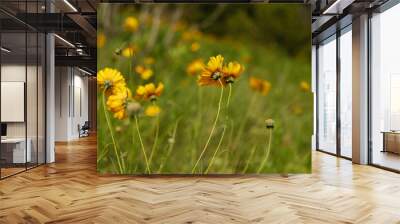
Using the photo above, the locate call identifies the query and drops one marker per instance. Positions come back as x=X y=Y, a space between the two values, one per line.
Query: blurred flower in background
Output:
x=304 y=86
x=145 y=73
x=129 y=51
x=131 y=24
x=149 y=91
x=194 y=67
x=101 y=40
x=152 y=111
x=260 y=85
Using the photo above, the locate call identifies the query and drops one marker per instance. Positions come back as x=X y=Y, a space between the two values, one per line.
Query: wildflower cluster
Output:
x=217 y=73
x=113 y=84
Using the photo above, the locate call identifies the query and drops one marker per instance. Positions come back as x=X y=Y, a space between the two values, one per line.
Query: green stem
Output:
x=216 y=150
x=229 y=95
x=212 y=129
x=249 y=159
x=111 y=133
x=268 y=144
x=153 y=149
x=141 y=144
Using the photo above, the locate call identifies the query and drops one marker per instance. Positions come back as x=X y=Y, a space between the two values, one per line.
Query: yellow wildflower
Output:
x=259 y=85
x=101 y=40
x=117 y=103
x=194 y=47
x=195 y=67
x=131 y=24
x=152 y=111
x=145 y=73
x=149 y=91
x=111 y=80
x=304 y=86
x=232 y=71
x=129 y=51
x=212 y=72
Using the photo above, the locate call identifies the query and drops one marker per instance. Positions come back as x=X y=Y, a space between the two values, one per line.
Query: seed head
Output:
x=133 y=108
x=269 y=123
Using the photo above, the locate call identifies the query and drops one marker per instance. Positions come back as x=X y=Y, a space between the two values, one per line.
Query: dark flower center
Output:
x=216 y=75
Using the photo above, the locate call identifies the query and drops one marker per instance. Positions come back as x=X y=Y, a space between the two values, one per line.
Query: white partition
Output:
x=12 y=101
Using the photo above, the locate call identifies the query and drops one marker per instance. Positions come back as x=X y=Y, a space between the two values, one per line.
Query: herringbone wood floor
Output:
x=70 y=191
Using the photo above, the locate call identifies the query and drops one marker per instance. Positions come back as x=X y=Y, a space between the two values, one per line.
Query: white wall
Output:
x=71 y=102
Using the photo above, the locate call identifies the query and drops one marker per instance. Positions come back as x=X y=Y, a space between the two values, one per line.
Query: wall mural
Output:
x=204 y=88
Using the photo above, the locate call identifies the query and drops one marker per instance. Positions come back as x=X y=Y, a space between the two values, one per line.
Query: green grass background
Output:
x=249 y=34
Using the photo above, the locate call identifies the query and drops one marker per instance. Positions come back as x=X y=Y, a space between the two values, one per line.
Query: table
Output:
x=391 y=141
x=13 y=150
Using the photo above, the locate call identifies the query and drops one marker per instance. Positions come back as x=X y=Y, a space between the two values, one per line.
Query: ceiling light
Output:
x=337 y=7
x=84 y=71
x=64 y=40
x=70 y=5
x=5 y=50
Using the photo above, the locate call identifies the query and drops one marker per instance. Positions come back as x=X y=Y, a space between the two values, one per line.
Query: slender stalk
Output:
x=111 y=133
x=212 y=129
x=153 y=149
x=216 y=150
x=141 y=144
x=229 y=95
x=249 y=159
x=267 y=150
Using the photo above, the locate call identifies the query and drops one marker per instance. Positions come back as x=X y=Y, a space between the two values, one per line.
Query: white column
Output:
x=360 y=90
x=314 y=91
x=50 y=94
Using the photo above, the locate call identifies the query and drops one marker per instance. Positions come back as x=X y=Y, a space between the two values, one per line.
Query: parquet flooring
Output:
x=70 y=191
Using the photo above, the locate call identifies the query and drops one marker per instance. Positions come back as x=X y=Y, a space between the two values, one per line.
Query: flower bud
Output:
x=118 y=51
x=269 y=123
x=133 y=108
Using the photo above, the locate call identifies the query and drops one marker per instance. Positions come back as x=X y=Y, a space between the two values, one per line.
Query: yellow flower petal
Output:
x=101 y=40
x=131 y=24
x=150 y=88
x=110 y=79
x=159 y=89
x=146 y=74
x=152 y=111
x=129 y=51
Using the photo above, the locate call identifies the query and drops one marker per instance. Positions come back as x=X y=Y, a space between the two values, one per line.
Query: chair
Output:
x=84 y=130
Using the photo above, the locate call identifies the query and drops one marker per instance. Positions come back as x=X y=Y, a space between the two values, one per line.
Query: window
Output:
x=385 y=89
x=346 y=92
x=327 y=95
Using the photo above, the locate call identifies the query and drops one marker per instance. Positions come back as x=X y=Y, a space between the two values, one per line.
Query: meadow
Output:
x=169 y=104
